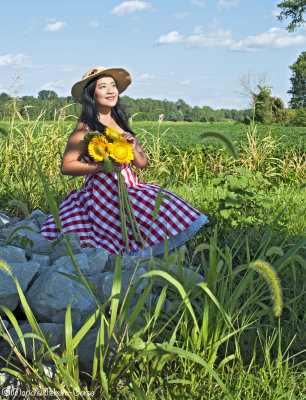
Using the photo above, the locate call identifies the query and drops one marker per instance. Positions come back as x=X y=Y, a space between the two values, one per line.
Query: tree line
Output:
x=49 y=103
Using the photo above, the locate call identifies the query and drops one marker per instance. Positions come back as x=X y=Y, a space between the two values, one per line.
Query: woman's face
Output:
x=106 y=92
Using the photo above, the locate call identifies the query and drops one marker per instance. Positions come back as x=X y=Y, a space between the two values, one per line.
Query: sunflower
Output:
x=98 y=147
x=112 y=133
x=121 y=151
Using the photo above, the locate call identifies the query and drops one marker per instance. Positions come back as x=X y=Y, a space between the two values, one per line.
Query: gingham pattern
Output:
x=93 y=212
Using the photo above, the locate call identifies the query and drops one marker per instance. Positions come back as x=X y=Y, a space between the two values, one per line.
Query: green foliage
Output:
x=293 y=9
x=298 y=84
x=241 y=198
x=30 y=108
x=268 y=109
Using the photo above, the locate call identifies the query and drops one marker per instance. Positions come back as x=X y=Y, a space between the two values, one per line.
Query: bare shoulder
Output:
x=77 y=135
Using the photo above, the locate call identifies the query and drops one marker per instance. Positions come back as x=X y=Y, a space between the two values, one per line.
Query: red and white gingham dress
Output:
x=93 y=213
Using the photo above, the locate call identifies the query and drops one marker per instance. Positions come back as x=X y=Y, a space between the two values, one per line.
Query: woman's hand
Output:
x=130 y=138
x=140 y=157
x=117 y=167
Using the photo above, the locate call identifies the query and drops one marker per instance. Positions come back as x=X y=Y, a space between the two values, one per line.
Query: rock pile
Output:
x=40 y=267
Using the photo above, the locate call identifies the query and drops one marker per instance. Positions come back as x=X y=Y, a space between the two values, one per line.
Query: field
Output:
x=237 y=336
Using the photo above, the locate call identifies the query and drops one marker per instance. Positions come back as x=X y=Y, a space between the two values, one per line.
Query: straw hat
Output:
x=121 y=76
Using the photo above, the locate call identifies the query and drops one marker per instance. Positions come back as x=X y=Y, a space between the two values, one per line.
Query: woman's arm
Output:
x=75 y=149
x=140 y=157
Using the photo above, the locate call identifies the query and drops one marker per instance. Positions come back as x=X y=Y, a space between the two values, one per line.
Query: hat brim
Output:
x=121 y=76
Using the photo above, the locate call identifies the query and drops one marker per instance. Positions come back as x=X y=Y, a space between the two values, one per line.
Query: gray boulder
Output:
x=105 y=282
x=97 y=261
x=24 y=272
x=42 y=259
x=127 y=263
x=36 y=214
x=51 y=292
x=39 y=244
x=12 y=254
x=60 y=248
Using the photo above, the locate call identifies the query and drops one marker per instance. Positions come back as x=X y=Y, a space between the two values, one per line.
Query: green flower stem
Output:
x=122 y=217
x=129 y=209
x=129 y=212
x=137 y=234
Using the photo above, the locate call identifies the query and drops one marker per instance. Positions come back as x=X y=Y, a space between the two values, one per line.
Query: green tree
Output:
x=268 y=109
x=298 y=82
x=47 y=95
x=294 y=9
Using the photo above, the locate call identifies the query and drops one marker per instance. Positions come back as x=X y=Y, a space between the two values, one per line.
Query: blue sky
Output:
x=196 y=50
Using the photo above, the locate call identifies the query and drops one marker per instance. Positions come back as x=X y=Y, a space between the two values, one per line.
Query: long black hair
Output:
x=89 y=114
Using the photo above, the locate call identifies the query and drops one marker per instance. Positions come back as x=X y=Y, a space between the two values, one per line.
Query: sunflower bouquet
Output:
x=108 y=147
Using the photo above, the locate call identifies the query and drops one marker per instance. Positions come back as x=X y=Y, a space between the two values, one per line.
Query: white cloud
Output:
x=94 y=24
x=128 y=7
x=171 y=37
x=56 y=26
x=276 y=13
x=186 y=82
x=145 y=77
x=53 y=85
x=181 y=15
x=274 y=38
x=18 y=60
x=197 y=3
x=223 y=4
x=211 y=39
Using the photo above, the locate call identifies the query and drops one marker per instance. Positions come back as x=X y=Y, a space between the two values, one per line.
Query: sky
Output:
x=195 y=50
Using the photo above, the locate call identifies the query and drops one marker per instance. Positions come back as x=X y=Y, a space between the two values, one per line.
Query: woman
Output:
x=93 y=212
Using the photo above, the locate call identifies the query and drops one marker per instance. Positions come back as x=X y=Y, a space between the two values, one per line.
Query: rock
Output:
x=30 y=224
x=40 y=221
x=50 y=294
x=38 y=217
x=127 y=263
x=97 y=261
x=36 y=214
x=57 y=332
x=89 y=266
x=42 y=259
x=66 y=265
x=60 y=248
x=12 y=254
x=24 y=272
x=105 y=281
x=4 y=220
x=37 y=242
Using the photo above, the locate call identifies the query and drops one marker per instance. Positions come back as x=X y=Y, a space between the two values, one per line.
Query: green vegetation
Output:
x=31 y=108
x=220 y=339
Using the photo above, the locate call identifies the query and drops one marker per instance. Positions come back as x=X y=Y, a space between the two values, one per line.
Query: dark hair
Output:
x=89 y=114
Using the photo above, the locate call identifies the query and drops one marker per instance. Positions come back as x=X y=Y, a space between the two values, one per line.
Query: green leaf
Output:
x=226 y=213
x=108 y=165
x=180 y=289
x=116 y=288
